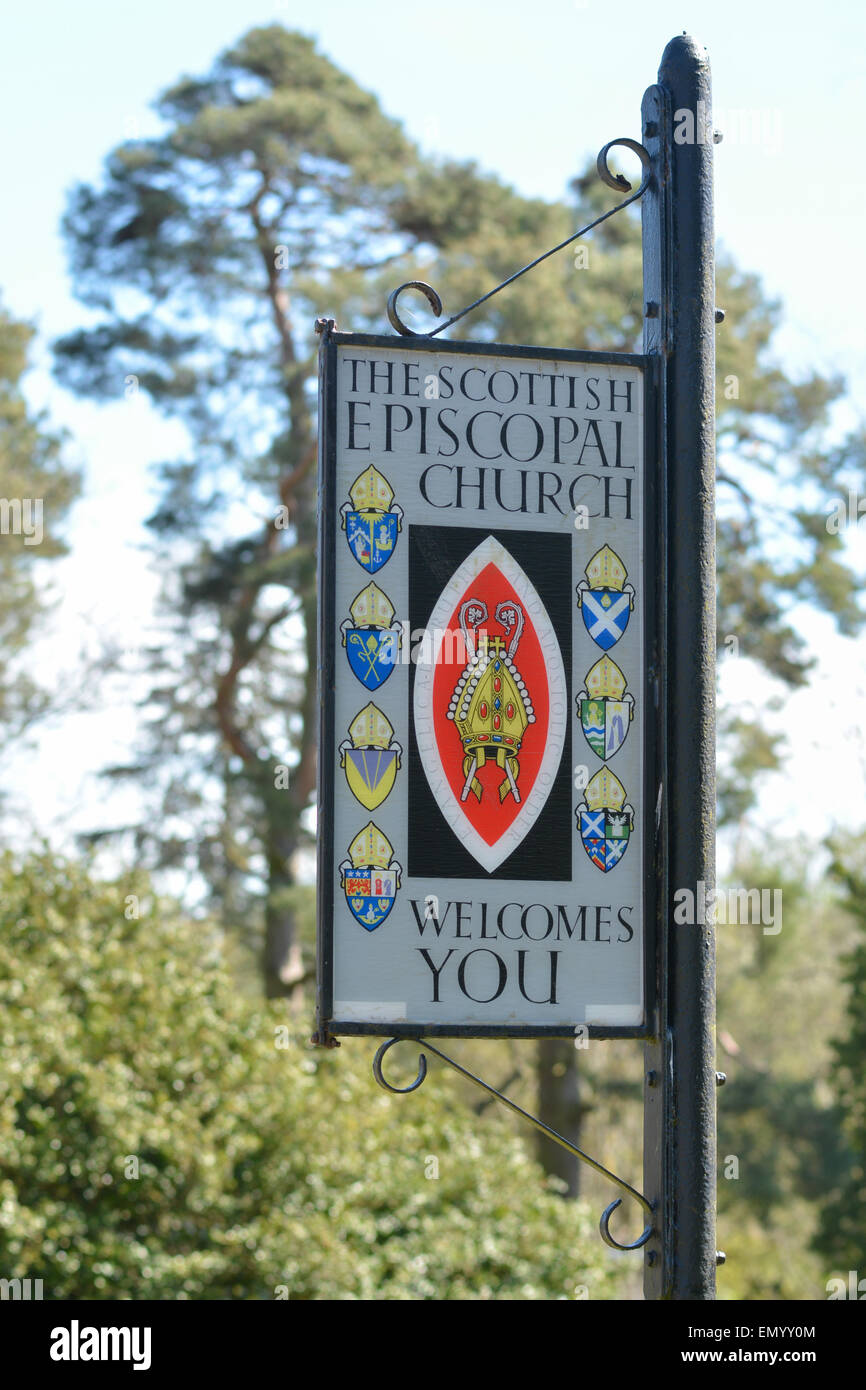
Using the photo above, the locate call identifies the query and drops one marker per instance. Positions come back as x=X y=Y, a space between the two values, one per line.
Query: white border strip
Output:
x=368 y=1011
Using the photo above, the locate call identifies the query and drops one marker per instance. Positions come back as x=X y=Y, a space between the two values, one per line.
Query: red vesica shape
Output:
x=491 y=710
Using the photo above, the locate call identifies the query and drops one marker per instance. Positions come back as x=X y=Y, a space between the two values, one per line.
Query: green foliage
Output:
x=769 y=1260
x=752 y=750
x=262 y=1171
x=781 y=1145
x=842 y=1233
x=30 y=468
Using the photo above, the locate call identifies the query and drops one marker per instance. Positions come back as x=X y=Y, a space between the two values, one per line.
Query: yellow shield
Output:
x=370 y=773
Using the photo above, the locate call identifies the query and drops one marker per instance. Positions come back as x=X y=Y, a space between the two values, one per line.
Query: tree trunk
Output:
x=559 y=1106
x=283 y=966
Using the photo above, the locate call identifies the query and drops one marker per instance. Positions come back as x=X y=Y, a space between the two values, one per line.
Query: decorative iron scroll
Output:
x=604 y=1223
x=605 y=174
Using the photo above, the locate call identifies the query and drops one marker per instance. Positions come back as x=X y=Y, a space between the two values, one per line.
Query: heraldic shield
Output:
x=370 y=877
x=604 y=598
x=605 y=708
x=372 y=758
x=372 y=520
x=490 y=708
x=605 y=820
x=371 y=638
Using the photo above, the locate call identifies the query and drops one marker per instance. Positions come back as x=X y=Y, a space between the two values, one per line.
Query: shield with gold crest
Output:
x=371 y=637
x=490 y=708
x=605 y=820
x=604 y=598
x=372 y=520
x=370 y=757
x=605 y=708
x=370 y=877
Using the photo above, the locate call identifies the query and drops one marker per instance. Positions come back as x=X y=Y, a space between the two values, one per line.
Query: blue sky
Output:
x=530 y=91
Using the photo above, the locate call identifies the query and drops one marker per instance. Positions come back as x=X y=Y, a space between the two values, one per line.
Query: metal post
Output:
x=680 y=1116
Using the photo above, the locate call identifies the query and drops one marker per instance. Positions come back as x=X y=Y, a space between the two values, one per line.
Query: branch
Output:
x=276 y=294
x=292 y=481
x=304 y=780
x=244 y=648
x=740 y=488
x=224 y=706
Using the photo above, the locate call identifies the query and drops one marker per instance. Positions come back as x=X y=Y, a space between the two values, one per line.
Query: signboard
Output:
x=486 y=796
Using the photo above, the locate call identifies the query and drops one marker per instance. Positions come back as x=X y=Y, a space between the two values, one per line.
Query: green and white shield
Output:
x=605 y=724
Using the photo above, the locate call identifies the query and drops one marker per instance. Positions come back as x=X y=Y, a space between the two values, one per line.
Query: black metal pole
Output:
x=680 y=1110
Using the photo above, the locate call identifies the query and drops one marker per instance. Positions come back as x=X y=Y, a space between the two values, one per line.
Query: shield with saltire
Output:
x=371 y=637
x=370 y=877
x=605 y=708
x=490 y=706
x=605 y=599
x=370 y=757
x=372 y=520
x=605 y=820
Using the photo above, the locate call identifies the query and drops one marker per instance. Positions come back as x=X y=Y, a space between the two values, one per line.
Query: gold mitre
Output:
x=500 y=714
x=370 y=729
x=370 y=492
x=605 y=679
x=370 y=849
x=604 y=791
x=372 y=608
x=606 y=570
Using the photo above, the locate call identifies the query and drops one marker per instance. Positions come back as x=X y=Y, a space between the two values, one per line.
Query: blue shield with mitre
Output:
x=372 y=653
x=605 y=836
x=605 y=615
x=372 y=537
x=370 y=894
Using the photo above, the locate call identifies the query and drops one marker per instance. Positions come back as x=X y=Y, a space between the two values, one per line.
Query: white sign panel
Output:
x=484 y=629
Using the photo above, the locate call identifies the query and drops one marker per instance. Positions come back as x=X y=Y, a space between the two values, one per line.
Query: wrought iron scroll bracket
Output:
x=607 y=176
x=604 y=1223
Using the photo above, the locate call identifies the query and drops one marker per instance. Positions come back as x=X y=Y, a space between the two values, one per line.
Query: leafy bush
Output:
x=157 y=1142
